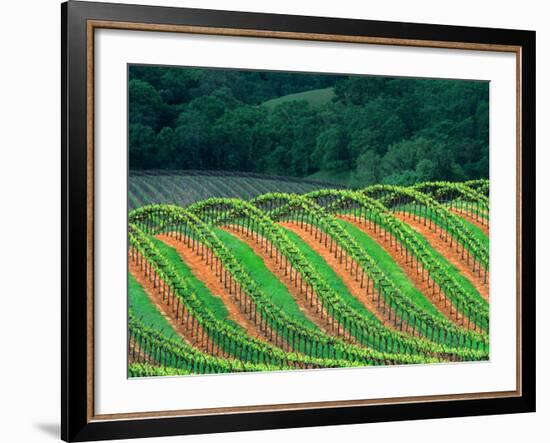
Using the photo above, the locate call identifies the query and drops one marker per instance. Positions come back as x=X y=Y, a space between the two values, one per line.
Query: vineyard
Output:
x=186 y=187
x=231 y=274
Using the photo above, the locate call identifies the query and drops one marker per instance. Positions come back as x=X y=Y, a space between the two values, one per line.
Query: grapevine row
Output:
x=373 y=212
x=260 y=308
x=397 y=196
x=216 y=336
x=301 y=207
x=276 y=242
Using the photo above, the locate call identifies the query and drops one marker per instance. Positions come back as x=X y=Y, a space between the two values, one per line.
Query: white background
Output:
x=29 y=183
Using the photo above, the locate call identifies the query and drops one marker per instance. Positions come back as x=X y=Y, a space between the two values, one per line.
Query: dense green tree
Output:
x=191 y=140
x=143 y=146
x=373 y=129
x=294 y=125
x=166 y=144
x=239 y=138
x=146 y=105
x=331 y=152
x=277 y=162
x=367 y=171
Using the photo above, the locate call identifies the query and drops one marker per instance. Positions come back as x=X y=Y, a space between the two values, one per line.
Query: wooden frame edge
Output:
x=258 y=33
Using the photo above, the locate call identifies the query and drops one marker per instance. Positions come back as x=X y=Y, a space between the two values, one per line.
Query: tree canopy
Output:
x=372 y=129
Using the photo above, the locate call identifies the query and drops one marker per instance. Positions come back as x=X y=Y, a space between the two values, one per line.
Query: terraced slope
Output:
x=305 y=280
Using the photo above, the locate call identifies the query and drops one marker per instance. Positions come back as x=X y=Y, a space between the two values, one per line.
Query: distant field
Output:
x=338 y=178
x=315 y=97
x=185 y=187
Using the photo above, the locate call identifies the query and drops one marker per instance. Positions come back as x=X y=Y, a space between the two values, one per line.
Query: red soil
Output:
x=168 y=311
x=309 y=307
x=351 y=281
x=471 y=217
x=436 y=297
x=208 y=276
x=137 y=355
x=449 y=253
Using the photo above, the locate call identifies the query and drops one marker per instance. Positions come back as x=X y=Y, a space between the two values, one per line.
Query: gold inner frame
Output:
x=92 y=25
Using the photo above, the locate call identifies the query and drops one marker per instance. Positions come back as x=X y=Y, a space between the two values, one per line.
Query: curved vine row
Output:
x=371 y=211
x=396 y=196
x=264 y=313
x=404 y=331
x=356 y=323
x=218 y=336
x=335 y=233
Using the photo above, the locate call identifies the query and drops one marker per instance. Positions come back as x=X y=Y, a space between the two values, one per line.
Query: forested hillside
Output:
x=369 y=130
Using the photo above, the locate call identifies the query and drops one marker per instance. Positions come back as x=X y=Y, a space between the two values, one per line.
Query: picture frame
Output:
x=79 y=179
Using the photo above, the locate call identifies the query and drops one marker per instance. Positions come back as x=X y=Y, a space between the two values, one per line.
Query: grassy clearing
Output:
x=269 y=283
x=315 y=97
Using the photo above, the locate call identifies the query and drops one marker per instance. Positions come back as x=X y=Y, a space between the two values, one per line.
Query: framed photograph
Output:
x=277 y=221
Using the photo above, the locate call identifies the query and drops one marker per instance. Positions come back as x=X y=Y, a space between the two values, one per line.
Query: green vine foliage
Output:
x=322 y=351
x=355 y=339
x=398 y=196
x=371 y=211
x=362 y=328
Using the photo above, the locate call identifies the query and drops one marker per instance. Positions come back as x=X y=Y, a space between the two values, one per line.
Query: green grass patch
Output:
x=474 y=231
x=269 y=283
x=143 y=308
x=315 y=97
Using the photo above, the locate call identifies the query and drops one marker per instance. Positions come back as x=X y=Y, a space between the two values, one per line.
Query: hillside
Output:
x=315 y=97
x=385 y=275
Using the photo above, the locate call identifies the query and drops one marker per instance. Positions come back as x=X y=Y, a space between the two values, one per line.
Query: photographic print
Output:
x=287 y=220
x=274 y=221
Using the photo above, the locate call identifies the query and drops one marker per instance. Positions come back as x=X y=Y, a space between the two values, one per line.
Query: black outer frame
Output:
x=74 y=421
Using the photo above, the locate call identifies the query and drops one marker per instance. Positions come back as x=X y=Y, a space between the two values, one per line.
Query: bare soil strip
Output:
x=186 y=331
x=449 y=253
x=308 y=307
x=137 y=355
x=349 y=280
x=471 y=217
x=438 y=299
x=208 y=276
